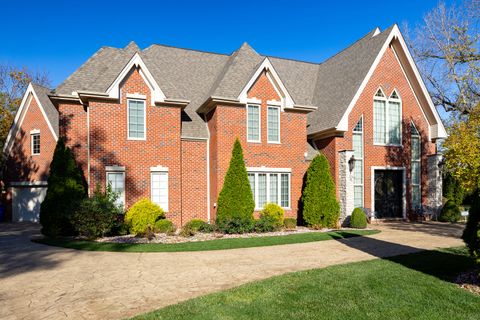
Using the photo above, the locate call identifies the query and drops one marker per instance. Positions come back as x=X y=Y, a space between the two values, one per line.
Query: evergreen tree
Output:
x=320 y=205
x=64 y=193
x=235 y=202
x=471 y=234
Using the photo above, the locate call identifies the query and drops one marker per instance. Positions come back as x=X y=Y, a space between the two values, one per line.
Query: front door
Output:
x=388 y=193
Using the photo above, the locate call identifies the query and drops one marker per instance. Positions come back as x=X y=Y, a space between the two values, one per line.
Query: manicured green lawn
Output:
x=220 y=244
x=413 y=286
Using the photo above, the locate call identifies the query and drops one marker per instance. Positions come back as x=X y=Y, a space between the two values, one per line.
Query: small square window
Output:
x=35 y=143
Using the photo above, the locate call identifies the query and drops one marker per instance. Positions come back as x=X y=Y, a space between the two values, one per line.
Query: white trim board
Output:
x=266 y=65
x=20 y=116
x=440 y=131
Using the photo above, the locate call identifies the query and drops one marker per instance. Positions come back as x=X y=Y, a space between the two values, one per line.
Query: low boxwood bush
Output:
x=290 y=223
x=450 y=212
x=358 y=219
x=234 y=225
x=194 y=226
x=164 y=226
x=142 y=216
x=98 y=215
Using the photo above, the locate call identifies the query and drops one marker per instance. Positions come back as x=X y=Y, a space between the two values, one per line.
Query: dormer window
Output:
x=387 y=116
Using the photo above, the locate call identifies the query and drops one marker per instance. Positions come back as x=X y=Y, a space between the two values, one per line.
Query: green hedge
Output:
x=358 y=219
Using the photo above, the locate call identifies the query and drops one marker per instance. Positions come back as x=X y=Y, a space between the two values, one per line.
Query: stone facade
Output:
x=345 y=186
x=435 y=183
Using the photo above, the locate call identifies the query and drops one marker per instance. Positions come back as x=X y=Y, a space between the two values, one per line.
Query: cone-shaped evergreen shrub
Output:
x=235 y=202
x=358 y=219
x=471 y=234
x=450 y=212
x=320 y=206
x=64 y=194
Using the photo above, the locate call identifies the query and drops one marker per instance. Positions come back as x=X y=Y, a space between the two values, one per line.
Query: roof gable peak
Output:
x=132 y=47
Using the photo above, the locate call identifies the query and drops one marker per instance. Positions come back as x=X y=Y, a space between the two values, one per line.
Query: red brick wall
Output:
x=21 y=164
x=194 y=180
x=226 y=123
x=110 y=146
x=389 y=76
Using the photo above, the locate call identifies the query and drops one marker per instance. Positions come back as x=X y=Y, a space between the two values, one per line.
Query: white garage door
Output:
x=26 y=202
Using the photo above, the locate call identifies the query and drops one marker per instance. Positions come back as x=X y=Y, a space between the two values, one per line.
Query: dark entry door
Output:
x=388 y=193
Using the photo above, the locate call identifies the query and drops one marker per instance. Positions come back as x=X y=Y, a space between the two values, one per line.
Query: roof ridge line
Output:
x=185 y=49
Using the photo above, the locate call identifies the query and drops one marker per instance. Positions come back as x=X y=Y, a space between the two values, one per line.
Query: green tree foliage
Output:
x=320 y=206
x=65 y=192
x=142 y=216
x=235 y=202
x=358 y=219
x=452 y=189
x=471 y=234
x=450 y=212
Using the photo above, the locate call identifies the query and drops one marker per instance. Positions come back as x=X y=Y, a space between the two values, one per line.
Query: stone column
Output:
x=434 y=184
x=345 y=185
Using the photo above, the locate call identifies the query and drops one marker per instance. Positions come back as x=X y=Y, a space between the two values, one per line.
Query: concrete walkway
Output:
x=42 y=282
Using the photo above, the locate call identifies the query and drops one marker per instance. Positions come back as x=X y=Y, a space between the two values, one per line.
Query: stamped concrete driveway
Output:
x=42 y=282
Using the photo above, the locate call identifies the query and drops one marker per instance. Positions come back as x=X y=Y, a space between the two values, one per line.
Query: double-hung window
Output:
x=416 y=161
x=116 y=181
x=35 y=142
x=253 y=123
x=273 y=124
x=358 y=168
x=159 y=187
x=270 y=187
x=136 y=119
x=387 y=115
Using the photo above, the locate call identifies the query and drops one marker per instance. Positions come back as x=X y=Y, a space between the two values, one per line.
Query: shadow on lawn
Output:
x=443 y=264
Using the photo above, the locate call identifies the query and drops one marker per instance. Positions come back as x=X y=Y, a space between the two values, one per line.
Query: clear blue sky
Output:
x=58 y=36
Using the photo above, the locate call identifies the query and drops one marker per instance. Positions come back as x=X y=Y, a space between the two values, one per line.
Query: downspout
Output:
x=208 y=169
x=88 y=148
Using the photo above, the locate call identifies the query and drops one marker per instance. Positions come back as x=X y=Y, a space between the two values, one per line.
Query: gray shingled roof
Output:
x=195 y=76
x=50 y=110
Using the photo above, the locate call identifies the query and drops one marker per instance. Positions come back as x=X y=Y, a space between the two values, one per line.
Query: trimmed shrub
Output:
x=290 y=223
x=450 y=212
x=320 y=206
x=65 y=192
x=271 y=218
x=452 y=190
x=164 y=226
x=235 y=202
x=194 y=226
x=141 y=217
x=471 y=234
x=98 y=215
x=358 y=219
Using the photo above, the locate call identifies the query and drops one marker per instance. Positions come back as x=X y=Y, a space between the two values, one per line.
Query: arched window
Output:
x=387 y=118
x=416 y=163
x=358 y=169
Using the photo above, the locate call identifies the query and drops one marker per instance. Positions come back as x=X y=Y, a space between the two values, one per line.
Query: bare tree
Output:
x=446 y=48
x=13 y=83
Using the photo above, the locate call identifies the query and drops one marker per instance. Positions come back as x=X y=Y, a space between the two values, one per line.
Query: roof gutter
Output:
x=211 y=102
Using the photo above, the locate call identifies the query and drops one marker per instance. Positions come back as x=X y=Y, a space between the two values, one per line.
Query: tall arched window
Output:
x=416 y=163
x=358 y=169
x=387 y=117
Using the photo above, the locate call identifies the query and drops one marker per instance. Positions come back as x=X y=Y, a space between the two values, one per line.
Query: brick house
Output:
x=160 y=123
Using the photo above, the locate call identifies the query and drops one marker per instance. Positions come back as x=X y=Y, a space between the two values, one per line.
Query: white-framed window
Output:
x=270 y=187
x=35 y=142
x=273 y=124
x=159 y=187
x=387 y=118
x=416 y=166
x=253 y=123
x=116 y=180
x=357 y=137
x=136 y=119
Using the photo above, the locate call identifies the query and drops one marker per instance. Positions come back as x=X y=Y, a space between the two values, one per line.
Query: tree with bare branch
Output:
x=446 y=48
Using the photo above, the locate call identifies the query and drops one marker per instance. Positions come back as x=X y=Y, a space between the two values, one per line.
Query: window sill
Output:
x=251 y=141
x=35 y=154
x=388 y=145
x=274 y=142
x=137 y=139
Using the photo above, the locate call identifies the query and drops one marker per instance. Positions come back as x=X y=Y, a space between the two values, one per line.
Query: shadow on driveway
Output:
x=18 y=254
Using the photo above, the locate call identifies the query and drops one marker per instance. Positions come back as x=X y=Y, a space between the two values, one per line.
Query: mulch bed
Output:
x=469 y=280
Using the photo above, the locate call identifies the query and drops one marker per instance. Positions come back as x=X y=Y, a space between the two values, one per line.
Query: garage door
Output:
x=26 y=202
